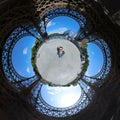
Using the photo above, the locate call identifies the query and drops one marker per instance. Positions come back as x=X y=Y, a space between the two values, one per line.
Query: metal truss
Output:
x=85 y=8
x=17 y=80
x=45 y=108
x=80 y=19
x=20 y=82
x=65 y=12
x=98 y=79
x=89 y=20
x=85 y=98
x=106 y=56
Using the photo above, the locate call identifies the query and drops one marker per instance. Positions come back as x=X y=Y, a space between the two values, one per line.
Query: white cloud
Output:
x=53 y=90
x=50 y=24
x=99 y=70
x=92 y=53
x=27 y=62
x=62 y=30
x=87 y=73
x=25 y=50
x=28 y=70
x=51 y=93
x=59 y=30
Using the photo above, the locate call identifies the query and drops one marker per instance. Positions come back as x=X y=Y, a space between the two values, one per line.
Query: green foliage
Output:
x=86 y=64
x=34 y=50
x=55 y=34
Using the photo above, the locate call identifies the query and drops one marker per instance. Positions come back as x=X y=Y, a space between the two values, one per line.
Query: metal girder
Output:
x=106 y=56
x=19 y=81
x=89 y=20
x=9 y=71
x=49 y=110
x=65 y=12
x=14 y=18
x=83 y=7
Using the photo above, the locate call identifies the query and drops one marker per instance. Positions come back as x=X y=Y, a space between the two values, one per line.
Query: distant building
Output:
x=70 y=34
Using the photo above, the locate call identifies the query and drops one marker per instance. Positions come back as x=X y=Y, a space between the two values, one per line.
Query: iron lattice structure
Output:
x=52 y=111
x=20 y=82
x=30 y=19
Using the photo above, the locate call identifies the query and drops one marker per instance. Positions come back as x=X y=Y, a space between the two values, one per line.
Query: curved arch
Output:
x=7 y=65
x=49 y=110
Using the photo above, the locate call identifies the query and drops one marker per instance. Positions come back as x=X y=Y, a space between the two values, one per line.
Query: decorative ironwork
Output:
x=9 y=71
x=65 y=12
x=45 y=108
x=80 y=6
x=86 y=82
x=80 y=19
x=39 y=32
x=106 y=56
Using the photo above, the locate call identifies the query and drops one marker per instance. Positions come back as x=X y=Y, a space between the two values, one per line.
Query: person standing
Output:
x=60 y=51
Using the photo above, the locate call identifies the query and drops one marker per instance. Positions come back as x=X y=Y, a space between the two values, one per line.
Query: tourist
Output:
x=60 y=51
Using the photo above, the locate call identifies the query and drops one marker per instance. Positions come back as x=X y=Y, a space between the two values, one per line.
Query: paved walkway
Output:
x=59 y=71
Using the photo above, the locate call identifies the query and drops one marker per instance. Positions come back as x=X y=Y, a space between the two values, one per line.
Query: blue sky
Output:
x=56 y=96
x=95 y=59
x=61 y=96
x=61 y=24
x=21 y=56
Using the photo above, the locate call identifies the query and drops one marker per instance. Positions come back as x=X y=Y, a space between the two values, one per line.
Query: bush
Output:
x=34 y=50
